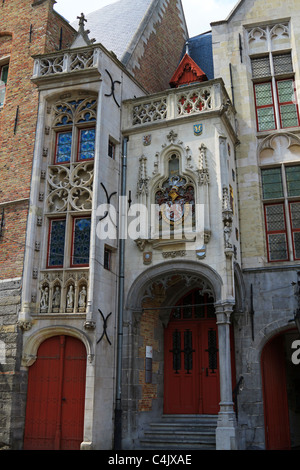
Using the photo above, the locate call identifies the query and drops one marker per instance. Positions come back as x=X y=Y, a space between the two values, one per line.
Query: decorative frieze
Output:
x=63 y=292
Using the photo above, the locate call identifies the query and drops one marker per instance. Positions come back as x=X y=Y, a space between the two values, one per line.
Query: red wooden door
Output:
x=277 y=428
x=191 y=368
x=55 y=396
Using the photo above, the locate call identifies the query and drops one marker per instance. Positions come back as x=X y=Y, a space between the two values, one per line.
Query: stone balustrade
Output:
x=207 y=97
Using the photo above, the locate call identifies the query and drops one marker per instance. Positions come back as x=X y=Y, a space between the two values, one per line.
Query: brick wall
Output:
x=162 y=50
x=17 y=19
x=148 y=326
x=16 y=154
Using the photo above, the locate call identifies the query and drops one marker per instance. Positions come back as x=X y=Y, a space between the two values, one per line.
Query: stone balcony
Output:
x=205 y=99
x=66 y=62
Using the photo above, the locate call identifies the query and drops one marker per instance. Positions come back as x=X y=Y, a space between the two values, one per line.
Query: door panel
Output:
x=277 y=427
x=191 y=368
x=55 y=395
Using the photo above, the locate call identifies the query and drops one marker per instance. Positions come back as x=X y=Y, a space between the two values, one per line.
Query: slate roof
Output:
x=200 y=50
x=116 y=25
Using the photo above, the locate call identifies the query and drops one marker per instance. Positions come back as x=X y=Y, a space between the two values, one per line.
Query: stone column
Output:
x=226 y=433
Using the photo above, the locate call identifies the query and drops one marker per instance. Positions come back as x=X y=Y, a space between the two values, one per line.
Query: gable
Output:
x=187 y=72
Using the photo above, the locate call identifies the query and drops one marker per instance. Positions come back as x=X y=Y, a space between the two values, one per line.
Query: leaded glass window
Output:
x=63 y=147
x=276 y=232
x=261 y=67
x=56 y=246
x=69 y=182
x=282 y=63
x=264 y=106
x=81 y=241
x=282 y=183
x=272 y=183
x=293 y=180
x=275 y=96
x=295 y=222
x=86 y=144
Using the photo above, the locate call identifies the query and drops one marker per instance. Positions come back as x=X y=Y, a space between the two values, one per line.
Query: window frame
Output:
x=74 y=218
x=2 y=66
x=285 y=200
x=77 y=150
x=276 y=232
x=287 y=102
x=273 y=79
x=264 y=107
x=51 y=220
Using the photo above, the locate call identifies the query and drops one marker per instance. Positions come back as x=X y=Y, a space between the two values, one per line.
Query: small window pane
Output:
x=282 y=63
x=263 y=94
x=295 y=215
x=107 y=258
x=296 y=240
x=286 y=91
x=277 y=247
x=111 y=149
x=87 y=144
x=81 y=241
x=56 y=243
x=3 y=81
x=275 y=218
x=289 y=115
x=63 y=147
x=272 y=183
x=266 y=119
x=293 y=180
x=261 y=67
x=4 y=74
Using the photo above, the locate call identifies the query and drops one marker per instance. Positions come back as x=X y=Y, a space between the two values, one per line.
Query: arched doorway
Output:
x=55 y=395
x=191 y=377
x=280 y=382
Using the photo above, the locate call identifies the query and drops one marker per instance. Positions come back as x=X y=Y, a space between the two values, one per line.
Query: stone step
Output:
x=184 y=432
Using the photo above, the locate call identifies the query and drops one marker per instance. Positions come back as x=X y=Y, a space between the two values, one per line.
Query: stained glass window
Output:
x=63 y=147
x=56 y=245
x=81 y=241
x=86 y=144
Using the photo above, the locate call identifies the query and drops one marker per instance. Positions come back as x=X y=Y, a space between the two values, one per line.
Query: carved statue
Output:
x=56 y=298
x=70 y=297
x=82 y=298
x=44 y=298
x=227 y=233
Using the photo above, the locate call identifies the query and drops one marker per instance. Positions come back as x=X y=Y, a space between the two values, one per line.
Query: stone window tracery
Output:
x=67 y=205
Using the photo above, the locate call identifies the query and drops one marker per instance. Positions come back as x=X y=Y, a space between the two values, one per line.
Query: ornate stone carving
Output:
x=173 y=254
x=63 y=291
x=150 y=111
x=203 y=175
x=142 y=183
x=195 y=101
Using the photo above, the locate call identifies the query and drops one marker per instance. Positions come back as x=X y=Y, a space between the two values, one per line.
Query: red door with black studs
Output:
x=55 y=396
x=191 y=380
